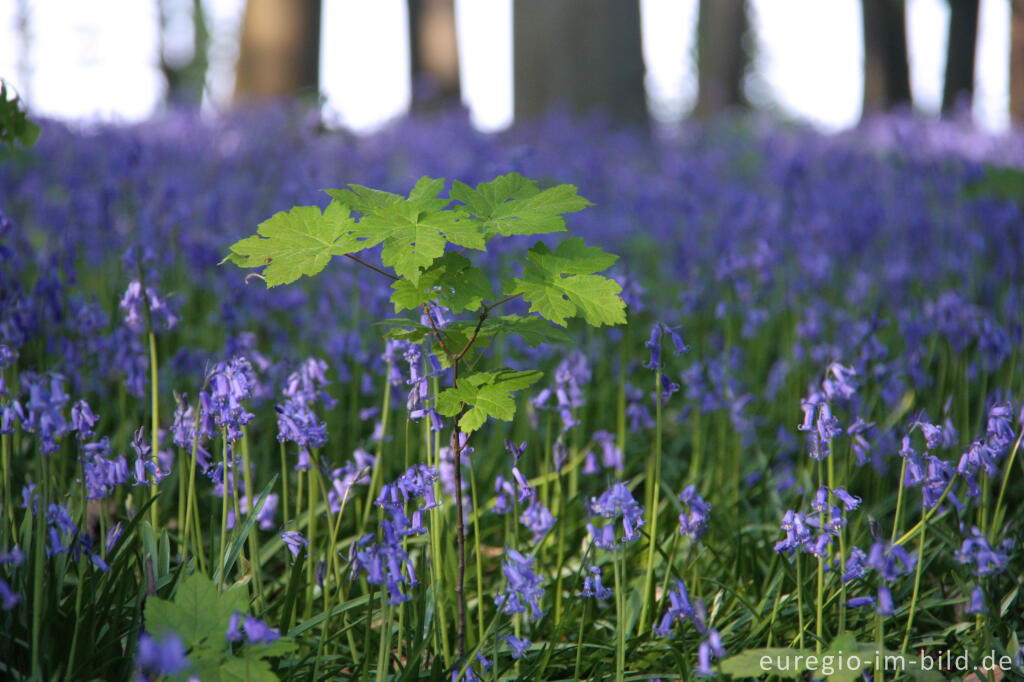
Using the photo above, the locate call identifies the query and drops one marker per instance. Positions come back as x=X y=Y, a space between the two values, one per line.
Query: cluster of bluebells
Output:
x=254 y=630
x=297 y=421
x=523 y=586
x=134 y=304
x=693 y=522
x=616 y=502
x=983 y=455
x=535 y=516
x=681 y=608
x=983 y=560
x=571 y=376
x=382 y=555
x=653 y=344
x=161 y=657
x=889 y=561
x=814 y=533
x=820 y=424
x=611 y=454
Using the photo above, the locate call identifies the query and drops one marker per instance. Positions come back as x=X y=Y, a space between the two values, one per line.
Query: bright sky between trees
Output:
x=100 y=59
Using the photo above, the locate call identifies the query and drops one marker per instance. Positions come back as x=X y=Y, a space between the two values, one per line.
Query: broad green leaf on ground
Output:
x=758 y=662
x=843 y=661
x=487 y=394
x=241 y=670
x=197 y=611
x=561 y=284
x=513 y=205
x=451 y=280
x=299 y=242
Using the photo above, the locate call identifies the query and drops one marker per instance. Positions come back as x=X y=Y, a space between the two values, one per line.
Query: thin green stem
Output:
x=899 y=501
x=799 y=602
x=820 y=603
x=223 y=515
x=284 y=484
x=654 y=485
x=917 y=583
x=620 y=623
x=154 y=380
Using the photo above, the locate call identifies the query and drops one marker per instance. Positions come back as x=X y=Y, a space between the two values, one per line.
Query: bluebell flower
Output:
x=850 y=502
x=231 y=383
x=233 y=633
x=614 y=503
x=258 y=632
x=517 y=451
x=15 y=557
x=710 y=647
x=132 y=304
x=294 y=541
x=8 y=597
x=611 y=454
x=538 y=519
x=680 y=608
x=592 y=586
x=977 y=603
x=653 y=344
x=885 y=604
x=693 y=521
x=860 y=602
x=838 y=382
x=798 y=533
x=82 y=419
x=163 y=657
x=522 y=587
x=519 y=646
x=986 y=560
x=855 y=565
x=890 y=560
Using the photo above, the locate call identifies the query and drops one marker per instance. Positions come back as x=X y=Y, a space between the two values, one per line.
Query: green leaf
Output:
x=246 y=669
x=532 y=330
x=364 y=200
x=451 y=280
x=414 y=231
x=750 y=663
x=512 y=205
x=489 y=394
x=299 y=242
x=561 y=284
x=190 y=614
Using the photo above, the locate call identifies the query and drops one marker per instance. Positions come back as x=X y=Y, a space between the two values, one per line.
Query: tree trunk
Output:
x=886 y=70
x=1017 y=61
x=583 y=54
x=279 y=52
x=433 y=54
x=186 y=81
x=963 y=39
x=722 y=56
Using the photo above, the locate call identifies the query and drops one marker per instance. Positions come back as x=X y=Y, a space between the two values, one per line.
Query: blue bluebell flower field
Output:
x=784 y=421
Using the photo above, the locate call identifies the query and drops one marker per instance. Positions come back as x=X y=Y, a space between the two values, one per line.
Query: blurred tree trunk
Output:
x=886 y=70
x=583 y=54
x=722 y=56
x=963 y=39
x=186 y=81
x=433 y=54
x=279 y=51
x=1017 y=61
